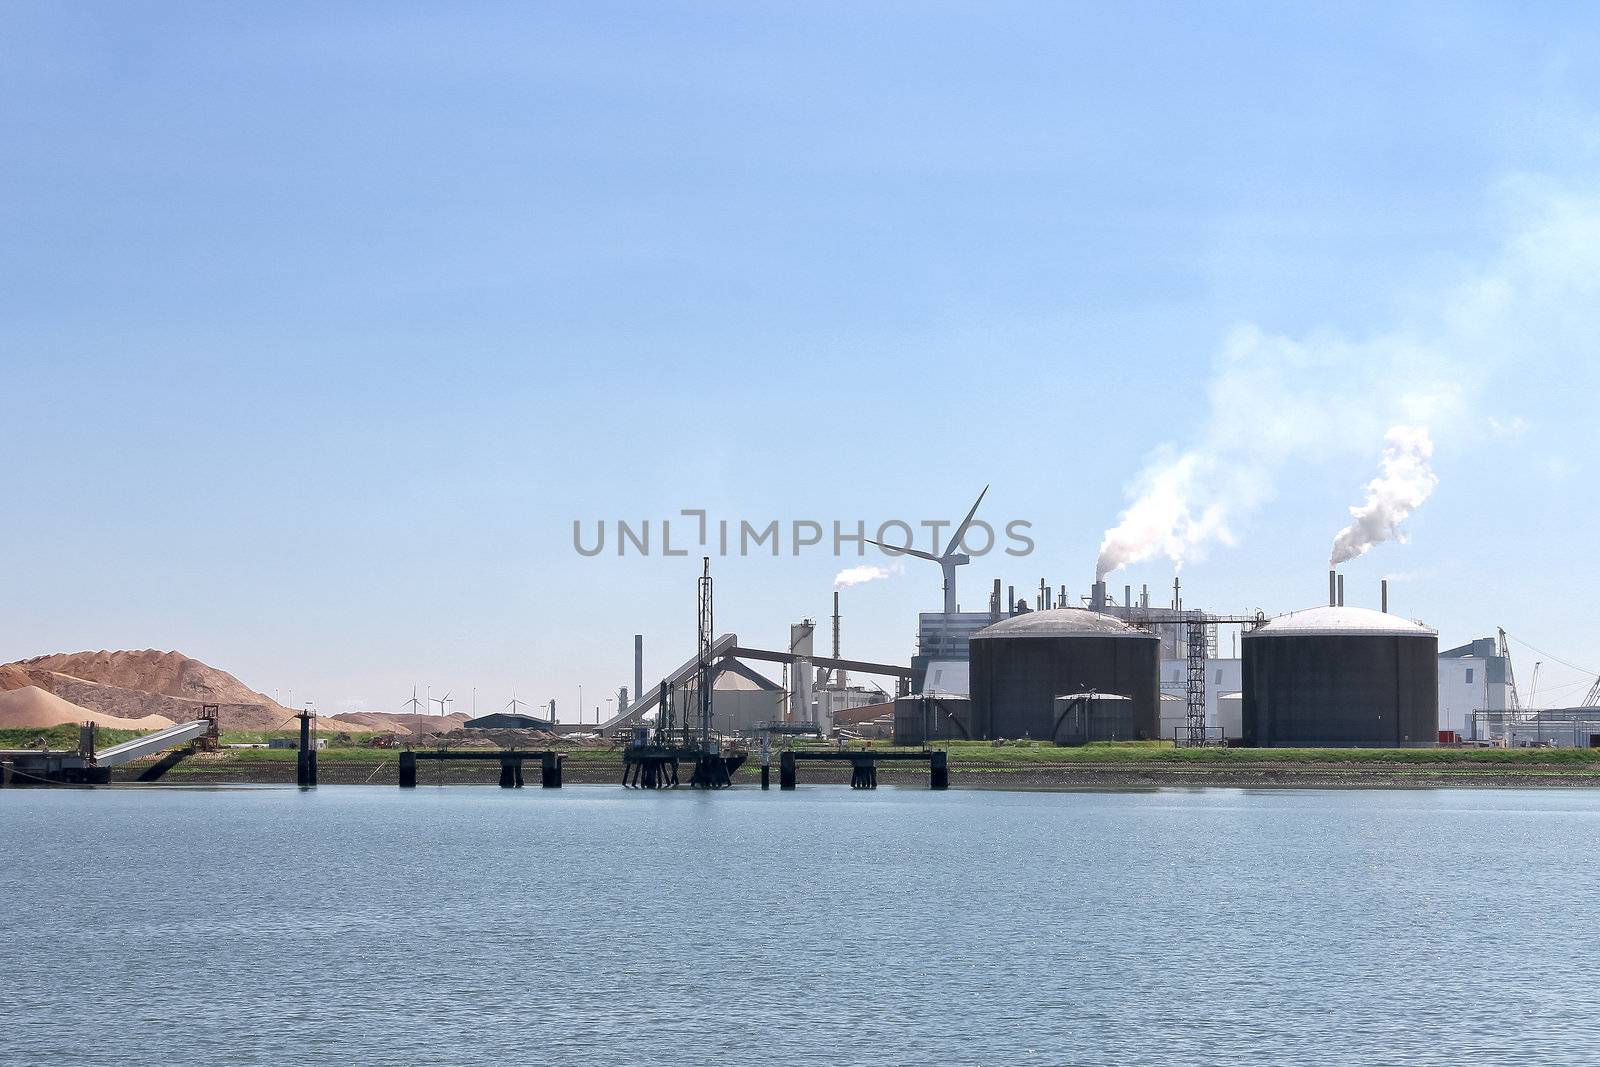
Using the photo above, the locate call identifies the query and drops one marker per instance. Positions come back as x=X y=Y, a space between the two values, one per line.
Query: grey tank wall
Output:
x=1015 y=680
x=1341 y=691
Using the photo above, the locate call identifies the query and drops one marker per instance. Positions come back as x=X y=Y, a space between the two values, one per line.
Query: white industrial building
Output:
x=1223 y=677
x=1472 y=677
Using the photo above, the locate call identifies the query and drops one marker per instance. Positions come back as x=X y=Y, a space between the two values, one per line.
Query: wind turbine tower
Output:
x=948 y=560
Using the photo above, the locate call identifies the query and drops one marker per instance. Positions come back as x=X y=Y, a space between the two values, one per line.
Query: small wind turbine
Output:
x=443 y=703
x=413 y=703
x=951 y=558
x=514 y=703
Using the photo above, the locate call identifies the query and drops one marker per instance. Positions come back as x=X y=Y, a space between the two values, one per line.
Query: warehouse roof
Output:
x=1340 y=622
x=1060 y=622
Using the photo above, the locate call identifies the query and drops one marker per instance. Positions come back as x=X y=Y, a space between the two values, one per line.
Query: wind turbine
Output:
x=514 y=703
x=948 y=560
x=413 y=703
x=442 y=702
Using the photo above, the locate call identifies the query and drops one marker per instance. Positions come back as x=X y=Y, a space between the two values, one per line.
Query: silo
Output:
x=1338 y=677
x=1022 y=664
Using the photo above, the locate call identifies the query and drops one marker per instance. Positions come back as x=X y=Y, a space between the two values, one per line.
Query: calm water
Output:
x=597 y=925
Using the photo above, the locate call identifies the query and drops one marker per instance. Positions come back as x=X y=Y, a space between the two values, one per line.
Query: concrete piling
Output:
x=786 y=770
x=305 y=771
x=938 y=771
x=550 y=771
x=408 y=770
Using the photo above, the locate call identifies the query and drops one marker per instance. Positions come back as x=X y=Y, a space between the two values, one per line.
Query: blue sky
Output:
x=321 y=323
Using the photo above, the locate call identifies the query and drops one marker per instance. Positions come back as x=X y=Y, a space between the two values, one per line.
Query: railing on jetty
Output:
x=511 y=761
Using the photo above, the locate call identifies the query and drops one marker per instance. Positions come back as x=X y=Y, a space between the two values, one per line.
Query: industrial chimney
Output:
x=638 y=666
x=1333 y=589
x=1097 y=597
x=1341 y=590
x=1384 y=587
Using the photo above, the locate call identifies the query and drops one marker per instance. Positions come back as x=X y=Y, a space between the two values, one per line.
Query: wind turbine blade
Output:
x=896 y=549
x=953 y=545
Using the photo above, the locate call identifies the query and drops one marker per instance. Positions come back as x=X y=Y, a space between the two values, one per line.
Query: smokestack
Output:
x=1341 y=590
x=638 y=666
x=994 y=602
x=835 y=624
x=1044 y=594
x=1097 y=597
x=1333 y=589
x=1144 y=595
x=1127 y=596
x=1061 y=600
x=1385 y=593
x=1011 y=600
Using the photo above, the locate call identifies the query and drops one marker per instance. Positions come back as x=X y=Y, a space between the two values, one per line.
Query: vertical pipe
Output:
x=1341 y=590
x=1011 y=599
x=1384 y=587
x=836 y=624
x=1127 y=596
x=1333 y=589
x=638 y=667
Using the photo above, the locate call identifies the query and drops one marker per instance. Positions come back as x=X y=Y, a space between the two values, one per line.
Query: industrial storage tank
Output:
x=1020 y=665
x=1341 y=677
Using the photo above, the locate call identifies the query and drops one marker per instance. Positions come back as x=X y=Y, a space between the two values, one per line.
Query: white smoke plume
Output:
x=1275 y=401
x=865 y=573
x=1405 y=483
x=1270 y=404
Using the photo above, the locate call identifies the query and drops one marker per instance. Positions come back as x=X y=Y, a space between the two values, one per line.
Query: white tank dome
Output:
x=1340 y=622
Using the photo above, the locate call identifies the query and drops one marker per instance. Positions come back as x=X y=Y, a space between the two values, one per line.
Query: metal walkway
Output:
x=128 y=751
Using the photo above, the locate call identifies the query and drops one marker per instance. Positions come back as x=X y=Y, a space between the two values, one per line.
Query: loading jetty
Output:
x=511 y=761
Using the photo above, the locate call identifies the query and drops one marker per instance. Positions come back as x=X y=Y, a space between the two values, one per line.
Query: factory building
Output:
x=1473 y=677
x=943 y=651
x=1340 y=677
x=740 y=697
x=1020 y=665
x=1223 y=676
x=832 y=698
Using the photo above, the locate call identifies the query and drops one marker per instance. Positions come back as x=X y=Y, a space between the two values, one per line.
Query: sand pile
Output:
x=33 y=708
x=170 y=674
x=13 y=677
x=132 y=685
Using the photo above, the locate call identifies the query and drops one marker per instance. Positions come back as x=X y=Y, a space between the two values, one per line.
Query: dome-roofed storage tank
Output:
x=1341 y=677
x=1022 y=664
